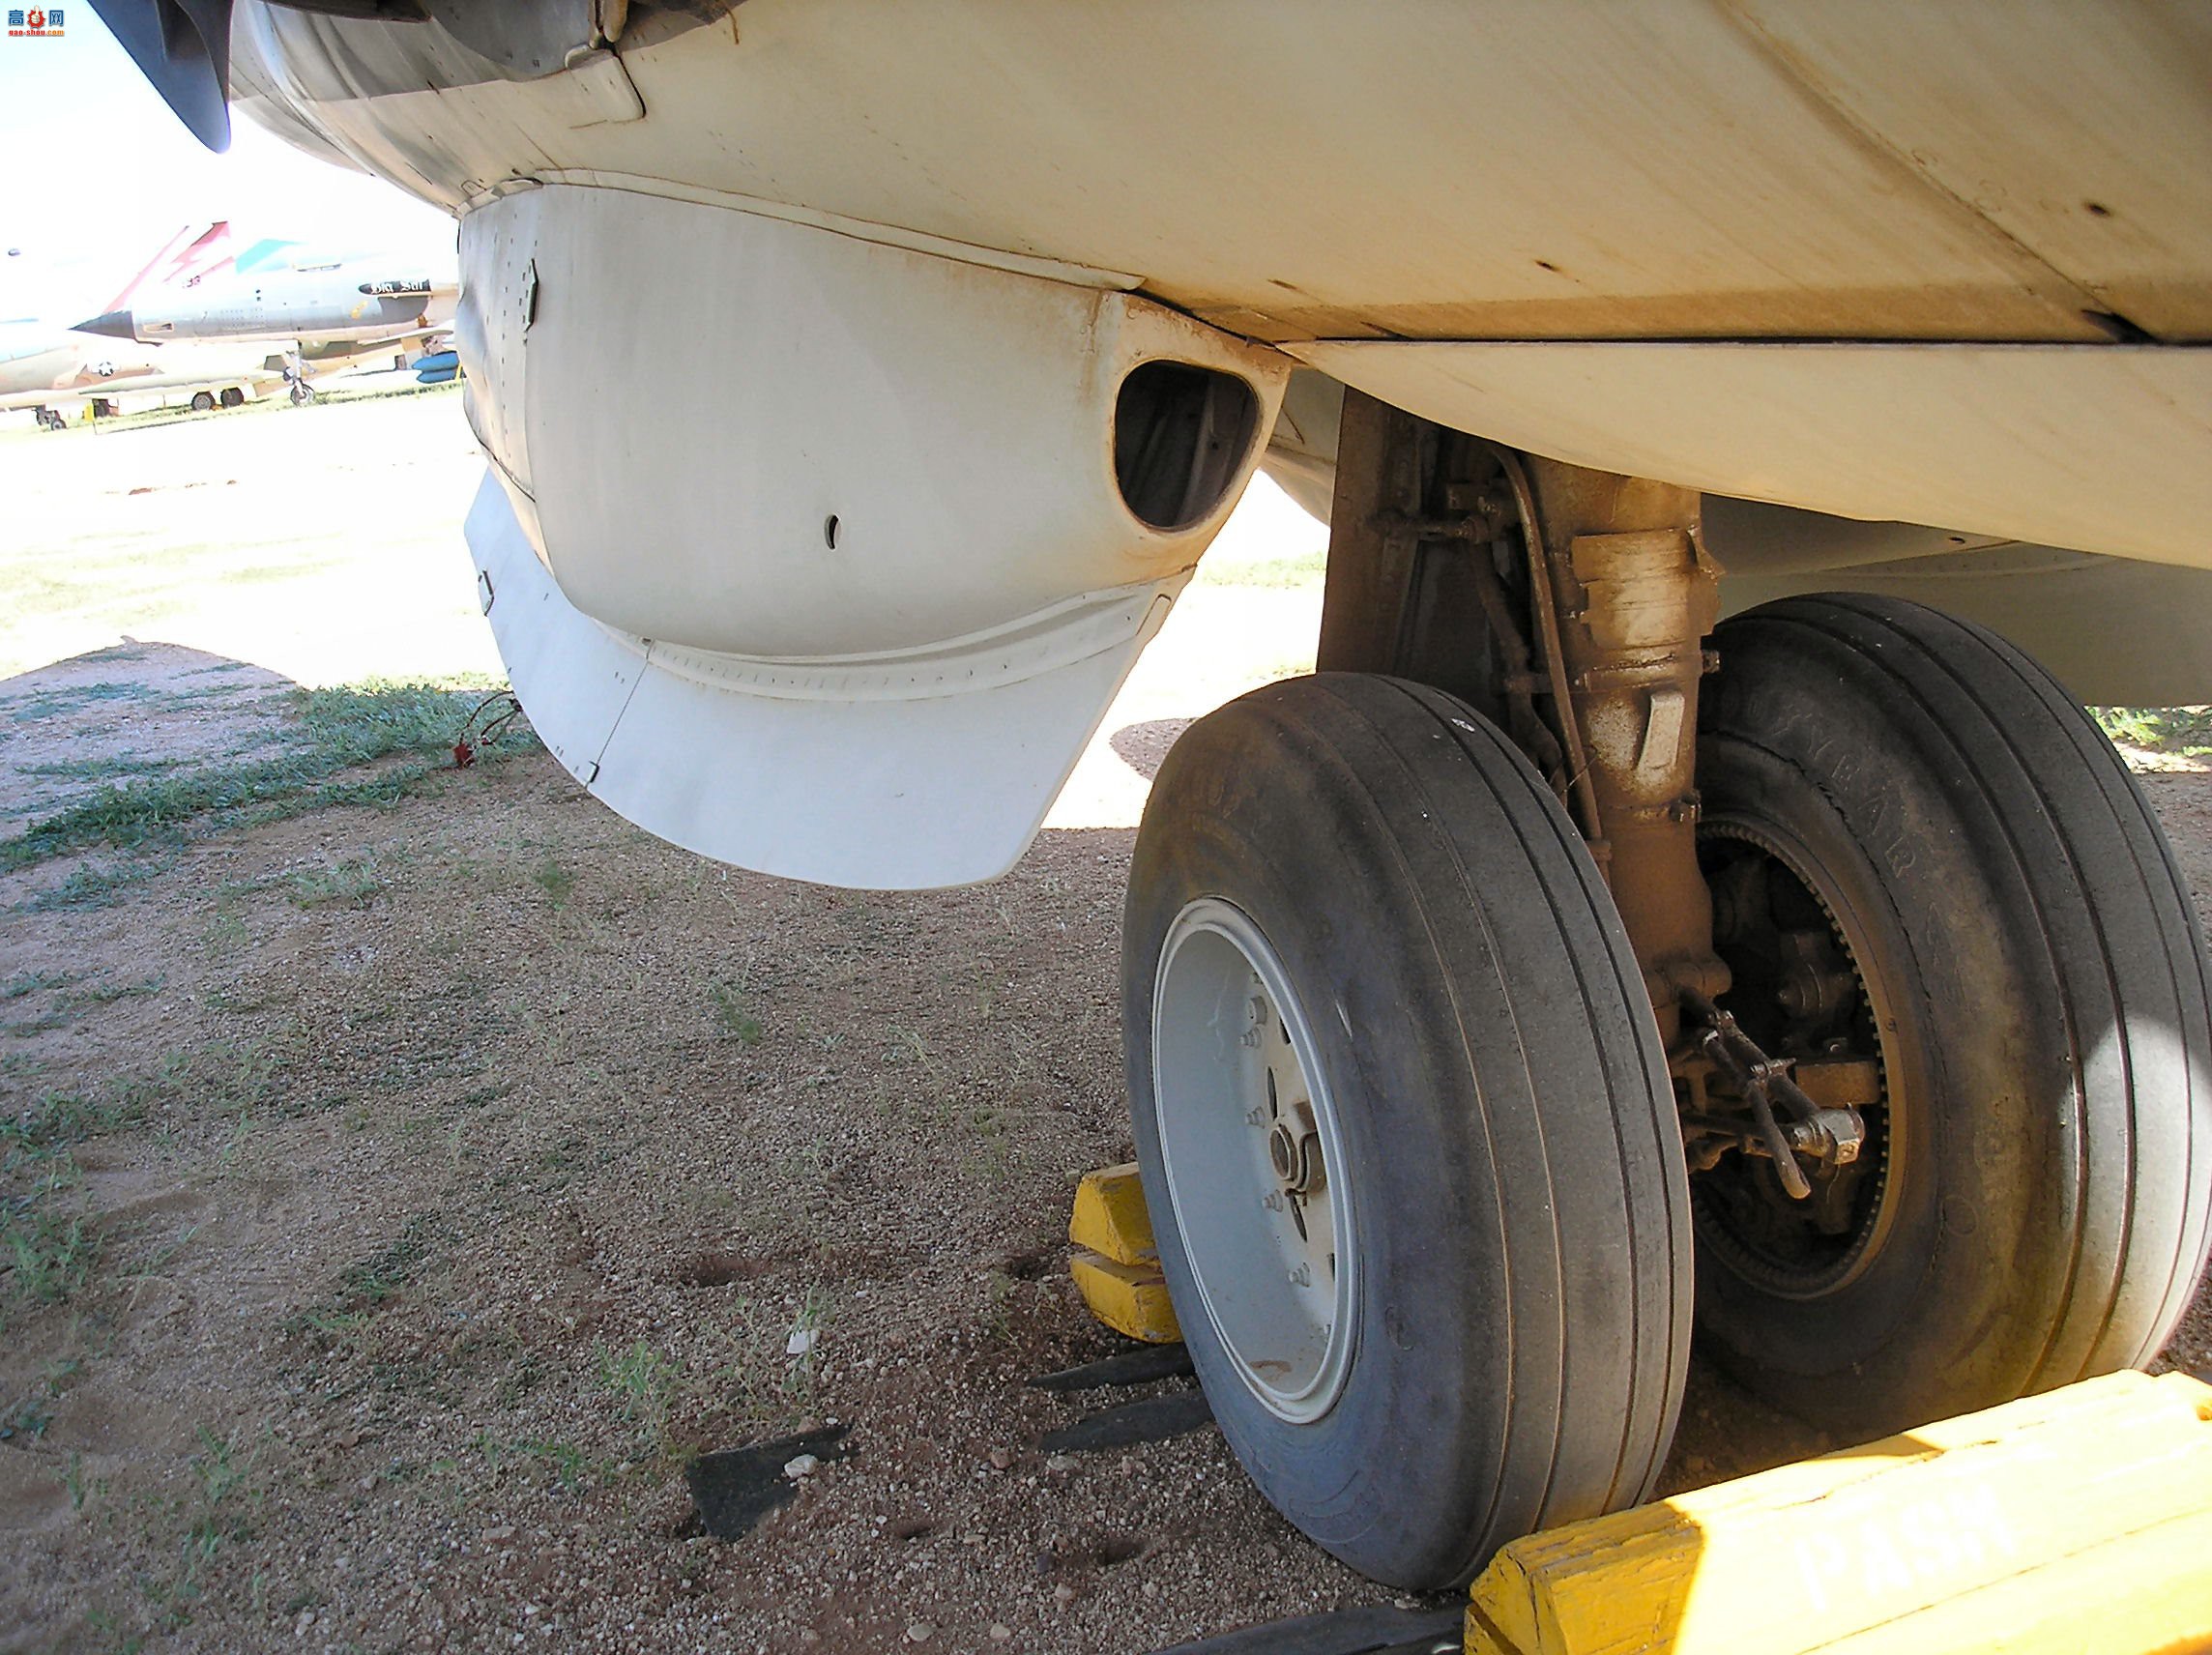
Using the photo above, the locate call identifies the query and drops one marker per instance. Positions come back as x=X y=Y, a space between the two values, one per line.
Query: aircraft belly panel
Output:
x=1784 y=168
x=2101 y=448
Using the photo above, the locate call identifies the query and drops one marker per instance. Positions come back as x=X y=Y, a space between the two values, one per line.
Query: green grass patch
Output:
x=44 y=704
x=730 y=1012
x=107 y=993
x=339 y=731
x=28 y=1419
x=353 y=882
x=368 y=1283
x=102 y=769
x=555 y=882
x=222 y=1077
x=57 y=1119
x=92 y=886
x=32 y=982
x=47 y=1251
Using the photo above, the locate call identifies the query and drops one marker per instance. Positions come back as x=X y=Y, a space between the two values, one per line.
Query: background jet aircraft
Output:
x=49 y=368
x=325 y=310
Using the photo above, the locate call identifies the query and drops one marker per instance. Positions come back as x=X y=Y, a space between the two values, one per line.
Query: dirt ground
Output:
x=409 y=1168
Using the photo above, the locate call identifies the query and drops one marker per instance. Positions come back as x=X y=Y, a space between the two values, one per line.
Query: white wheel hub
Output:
x=1254 y=1160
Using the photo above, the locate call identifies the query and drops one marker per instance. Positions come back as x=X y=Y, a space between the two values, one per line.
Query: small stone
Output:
x=807 y=1634
x=801 y=1342
x=806 y=1466
x=1001 y=1632
x=1063 y=1594
x=1059 y=1463
x=919 y=1632
x=1149 y=1590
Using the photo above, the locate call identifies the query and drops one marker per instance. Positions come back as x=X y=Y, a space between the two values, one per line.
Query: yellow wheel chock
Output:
x=2077 y=1520
x=1115 y=1266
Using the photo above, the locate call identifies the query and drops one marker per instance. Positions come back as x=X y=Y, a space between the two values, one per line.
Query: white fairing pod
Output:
x=820 y=555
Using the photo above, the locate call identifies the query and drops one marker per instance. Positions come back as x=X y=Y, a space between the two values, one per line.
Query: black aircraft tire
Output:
x=1505 y=1137
x=2041 y=1162
x=203 y=401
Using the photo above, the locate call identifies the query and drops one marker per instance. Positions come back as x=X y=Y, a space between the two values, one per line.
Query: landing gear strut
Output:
x=1849 y=940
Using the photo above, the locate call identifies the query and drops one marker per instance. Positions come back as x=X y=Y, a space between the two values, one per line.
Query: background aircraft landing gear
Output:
x=51 y=419
x=1398 y=963
x=202 y=402
x=233 y=396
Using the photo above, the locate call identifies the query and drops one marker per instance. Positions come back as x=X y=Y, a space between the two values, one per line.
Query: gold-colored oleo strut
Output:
x=2077 y=1520
x=1633 y=596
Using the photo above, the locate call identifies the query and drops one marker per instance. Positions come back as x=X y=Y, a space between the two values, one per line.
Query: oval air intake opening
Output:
x=1180 y=435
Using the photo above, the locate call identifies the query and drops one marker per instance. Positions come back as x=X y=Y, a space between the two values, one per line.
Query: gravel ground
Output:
x=446 y=1174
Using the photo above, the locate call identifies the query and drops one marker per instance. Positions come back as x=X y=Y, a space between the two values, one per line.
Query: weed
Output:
x=999 y=1292
x=57 y=1118
x=219 y=1077
x=28 y=1419
x=219 y=1509
x=47 y=704
x=227 y=931
x=640 y=1379
x=91 y=887
x=555 y=882
x=107 y=993
x=355 y=883
x=50 y=1256
x=568 y=1462
x=730 y=1010
x=768 y=1377
x=102 y=769
x=800 y=1348
x=368 y=1283
x=32 y=982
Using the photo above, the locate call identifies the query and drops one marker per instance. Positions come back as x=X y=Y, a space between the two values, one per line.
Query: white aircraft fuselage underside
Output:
x=795 y=336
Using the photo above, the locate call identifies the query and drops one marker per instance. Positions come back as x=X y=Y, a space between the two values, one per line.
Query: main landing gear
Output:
x=1533 y=959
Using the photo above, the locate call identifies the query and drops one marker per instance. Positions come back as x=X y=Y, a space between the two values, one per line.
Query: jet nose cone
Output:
x=116 y=325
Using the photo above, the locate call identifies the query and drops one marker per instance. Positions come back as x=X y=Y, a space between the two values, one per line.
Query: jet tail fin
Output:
x=193 y=252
